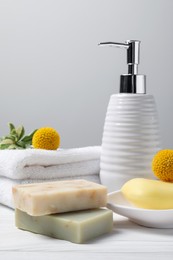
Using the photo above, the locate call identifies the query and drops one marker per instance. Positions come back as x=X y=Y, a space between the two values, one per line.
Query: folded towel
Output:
x=44 y=164
x=32 y=165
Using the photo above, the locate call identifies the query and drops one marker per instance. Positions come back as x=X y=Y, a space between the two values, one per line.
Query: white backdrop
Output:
x=52 y=72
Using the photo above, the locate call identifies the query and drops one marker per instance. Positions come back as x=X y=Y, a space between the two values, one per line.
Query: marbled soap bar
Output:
x=60 y=196
x=76 y=227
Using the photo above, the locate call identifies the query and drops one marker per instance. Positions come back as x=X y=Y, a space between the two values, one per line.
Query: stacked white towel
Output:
x=34 y=165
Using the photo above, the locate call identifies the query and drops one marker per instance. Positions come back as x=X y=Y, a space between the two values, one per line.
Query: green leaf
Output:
x=20 y=132
x=13 y=138
x=13 y=146
x=13 y=132
x=11 y=126
x=7 y=141
x=28 y=138
x=4 y=146
x=21 y=144
x=27 y=145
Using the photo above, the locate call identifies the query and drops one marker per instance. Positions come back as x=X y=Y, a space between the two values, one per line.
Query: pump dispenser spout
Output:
x=131 y=82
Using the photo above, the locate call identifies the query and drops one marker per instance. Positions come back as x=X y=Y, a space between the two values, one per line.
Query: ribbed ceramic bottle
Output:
x=130 y=139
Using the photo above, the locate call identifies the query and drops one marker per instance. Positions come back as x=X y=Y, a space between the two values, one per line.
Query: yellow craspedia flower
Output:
x=46 y=138
x=162 y=165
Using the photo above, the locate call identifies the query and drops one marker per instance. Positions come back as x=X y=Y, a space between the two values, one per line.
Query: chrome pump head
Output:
x=131 y=82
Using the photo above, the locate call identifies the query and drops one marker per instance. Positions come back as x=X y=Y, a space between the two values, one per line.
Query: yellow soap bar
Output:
x=39 y=199
x=77 y=227
x=149 y=194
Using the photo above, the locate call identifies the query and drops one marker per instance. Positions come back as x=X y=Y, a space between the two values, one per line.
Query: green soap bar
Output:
x=76 y=227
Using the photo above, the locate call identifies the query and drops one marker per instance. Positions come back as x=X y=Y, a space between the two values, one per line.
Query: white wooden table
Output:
x=127 y=241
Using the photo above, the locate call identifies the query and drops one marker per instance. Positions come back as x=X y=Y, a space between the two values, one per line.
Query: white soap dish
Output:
x=144 y=217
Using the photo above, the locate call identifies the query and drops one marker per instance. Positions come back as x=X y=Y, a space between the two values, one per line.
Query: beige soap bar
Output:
x=60 y=196
x=76 y=227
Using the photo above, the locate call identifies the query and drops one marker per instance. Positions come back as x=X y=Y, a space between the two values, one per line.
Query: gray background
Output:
x=52 y=72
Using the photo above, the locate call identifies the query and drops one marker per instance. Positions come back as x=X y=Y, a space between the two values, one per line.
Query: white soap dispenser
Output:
x=131 y=130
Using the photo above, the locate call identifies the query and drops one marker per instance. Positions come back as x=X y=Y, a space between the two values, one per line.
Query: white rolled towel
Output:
x=36 y=165
x=44 y=164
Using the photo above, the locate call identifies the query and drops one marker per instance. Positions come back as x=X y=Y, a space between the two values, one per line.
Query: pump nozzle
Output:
x=133 y=49
x=132 y=82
